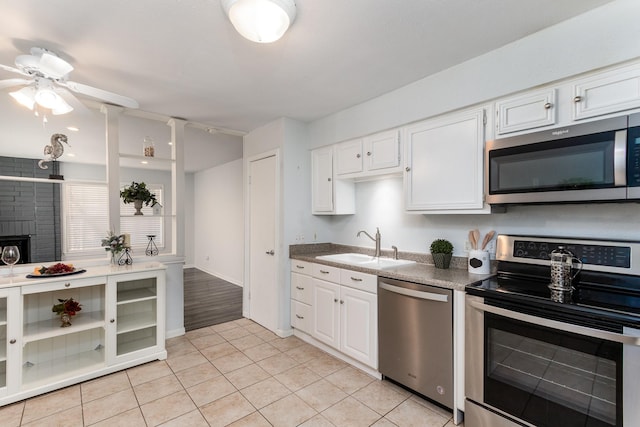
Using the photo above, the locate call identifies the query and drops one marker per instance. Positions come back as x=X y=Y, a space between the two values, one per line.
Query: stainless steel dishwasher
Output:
x=415 y=342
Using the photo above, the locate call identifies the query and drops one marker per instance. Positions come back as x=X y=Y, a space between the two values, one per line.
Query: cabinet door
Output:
x=326 y=312
x=359 y=325
x=136 y=315
x=349 y=157
x=301 y=316
x=528 y=111
x=382 y=151
x=608 y=92
x=10 y=341
x=444 y=163
x=322 y=179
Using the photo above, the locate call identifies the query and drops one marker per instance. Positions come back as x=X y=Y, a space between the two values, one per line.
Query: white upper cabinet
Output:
x=321 y=181
x=382 y=151
x=377 y=154
x=444 y=164
x=349 y=157
x=528 y=111
x=607 y=92
x=329 y=196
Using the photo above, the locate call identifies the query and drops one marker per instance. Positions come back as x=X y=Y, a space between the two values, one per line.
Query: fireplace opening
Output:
x=24 y=246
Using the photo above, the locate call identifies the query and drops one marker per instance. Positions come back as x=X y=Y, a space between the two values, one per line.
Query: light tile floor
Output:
x=236 y=373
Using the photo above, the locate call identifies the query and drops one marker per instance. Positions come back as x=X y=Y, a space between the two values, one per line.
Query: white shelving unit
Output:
x=121 y=324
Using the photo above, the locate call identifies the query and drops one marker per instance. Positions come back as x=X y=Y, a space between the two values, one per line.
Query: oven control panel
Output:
x=593 y=254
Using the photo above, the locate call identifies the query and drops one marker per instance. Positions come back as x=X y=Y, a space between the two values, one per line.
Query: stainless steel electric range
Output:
x=534 y=361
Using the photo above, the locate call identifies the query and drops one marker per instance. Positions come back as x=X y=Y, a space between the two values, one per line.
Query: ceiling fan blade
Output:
x=13 y=70
x=54 y=66
x=110 y=97
x=14 y=82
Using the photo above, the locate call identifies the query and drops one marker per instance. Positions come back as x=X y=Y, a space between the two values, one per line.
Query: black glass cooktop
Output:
x=609 y=300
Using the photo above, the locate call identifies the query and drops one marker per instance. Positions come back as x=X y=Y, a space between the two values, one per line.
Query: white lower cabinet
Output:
x=120 y=324
x=336 y=307
x=345 y=314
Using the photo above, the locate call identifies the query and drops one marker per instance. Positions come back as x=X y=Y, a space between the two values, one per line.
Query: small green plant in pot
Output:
x=138 y=193
x=441 y=251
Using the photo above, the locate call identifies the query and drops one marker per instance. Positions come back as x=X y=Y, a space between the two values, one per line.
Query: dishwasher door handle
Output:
x=413 y=293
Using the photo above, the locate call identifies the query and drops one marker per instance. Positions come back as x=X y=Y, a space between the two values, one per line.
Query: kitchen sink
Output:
x=366 y=261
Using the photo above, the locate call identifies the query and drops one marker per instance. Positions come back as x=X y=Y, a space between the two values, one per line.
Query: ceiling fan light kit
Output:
x=261 y=21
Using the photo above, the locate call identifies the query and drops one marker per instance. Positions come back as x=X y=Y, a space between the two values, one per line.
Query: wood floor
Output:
x=209 y=300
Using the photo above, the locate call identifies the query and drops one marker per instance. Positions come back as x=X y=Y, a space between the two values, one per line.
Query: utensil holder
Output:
x=479 y=262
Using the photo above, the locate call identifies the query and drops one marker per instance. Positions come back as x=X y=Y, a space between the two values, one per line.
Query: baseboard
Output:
x=175 y=333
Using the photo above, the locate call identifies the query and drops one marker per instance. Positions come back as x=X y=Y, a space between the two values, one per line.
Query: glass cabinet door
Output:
x=137 y=312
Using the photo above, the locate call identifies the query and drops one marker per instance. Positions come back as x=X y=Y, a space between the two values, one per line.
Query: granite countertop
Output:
x=423 y=271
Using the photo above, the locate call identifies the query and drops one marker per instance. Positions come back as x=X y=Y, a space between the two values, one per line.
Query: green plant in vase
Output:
x=442 y=252
x=138 y=194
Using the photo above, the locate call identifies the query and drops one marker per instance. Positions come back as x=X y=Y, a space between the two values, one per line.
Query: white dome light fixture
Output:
x=261 y=21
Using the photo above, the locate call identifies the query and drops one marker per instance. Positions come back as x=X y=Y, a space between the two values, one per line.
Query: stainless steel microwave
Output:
x=589 y=162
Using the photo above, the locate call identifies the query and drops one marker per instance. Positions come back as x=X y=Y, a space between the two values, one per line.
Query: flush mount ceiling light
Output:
x=261 y=21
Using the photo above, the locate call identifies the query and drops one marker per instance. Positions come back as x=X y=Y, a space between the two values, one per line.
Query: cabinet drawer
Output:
x=301 y=316
x=302 y=267
x=301 y=288
x=325 y=272
x=362 y=281
x=63 y=284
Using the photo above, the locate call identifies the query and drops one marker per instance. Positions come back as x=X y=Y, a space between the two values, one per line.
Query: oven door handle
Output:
x=576 y=329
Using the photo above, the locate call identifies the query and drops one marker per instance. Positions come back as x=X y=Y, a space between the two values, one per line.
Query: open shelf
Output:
x=51 y=327
x=136 y=322
x=136 y=295
x=49 y=371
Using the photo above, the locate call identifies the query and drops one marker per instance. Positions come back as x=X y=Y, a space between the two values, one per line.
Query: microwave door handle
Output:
x=620 y=158
x=554 y=324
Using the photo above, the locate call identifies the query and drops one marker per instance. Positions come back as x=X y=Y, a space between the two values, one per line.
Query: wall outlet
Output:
x=299 y=238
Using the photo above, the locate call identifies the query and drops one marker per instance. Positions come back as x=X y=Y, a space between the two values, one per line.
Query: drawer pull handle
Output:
x=299 y=317
x=324 y=272
x=577 y=99
x=13 y=341
x=548 y=106
x=356 y=279
x=300 y=266
x=299 y=288
x=66 y=285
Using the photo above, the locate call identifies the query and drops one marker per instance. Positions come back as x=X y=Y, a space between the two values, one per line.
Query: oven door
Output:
x=571 y=167
x=541 y=372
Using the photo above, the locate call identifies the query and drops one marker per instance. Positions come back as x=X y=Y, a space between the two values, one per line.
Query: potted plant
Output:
x=138 y=193
x=65 y=309
x=441 y=251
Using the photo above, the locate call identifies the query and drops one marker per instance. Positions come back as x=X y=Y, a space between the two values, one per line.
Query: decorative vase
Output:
x=441 y=260
x=65 y=319
x=138 y=205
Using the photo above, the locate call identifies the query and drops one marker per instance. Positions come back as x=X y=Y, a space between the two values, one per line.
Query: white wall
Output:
x=189 y=220
x=604 y=36
x=218 y=221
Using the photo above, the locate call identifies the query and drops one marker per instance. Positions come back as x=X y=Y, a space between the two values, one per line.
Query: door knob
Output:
x=271 y=252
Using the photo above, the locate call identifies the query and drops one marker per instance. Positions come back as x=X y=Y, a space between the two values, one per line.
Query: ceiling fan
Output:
x=47 y=85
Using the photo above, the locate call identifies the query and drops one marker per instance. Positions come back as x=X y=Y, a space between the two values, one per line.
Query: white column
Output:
x=177 y=185
x=112 y=137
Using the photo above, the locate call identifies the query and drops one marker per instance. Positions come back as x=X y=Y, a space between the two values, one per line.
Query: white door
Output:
x=263 y=291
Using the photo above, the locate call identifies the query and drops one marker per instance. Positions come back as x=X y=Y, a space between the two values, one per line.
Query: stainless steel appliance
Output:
x=595 y=161
x=415 y=337
x=536 y=362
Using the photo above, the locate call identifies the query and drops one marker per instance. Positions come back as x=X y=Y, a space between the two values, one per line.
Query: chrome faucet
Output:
x=376 y=239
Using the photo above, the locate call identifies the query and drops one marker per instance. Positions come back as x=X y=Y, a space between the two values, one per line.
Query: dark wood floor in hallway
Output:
x=209 y=300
